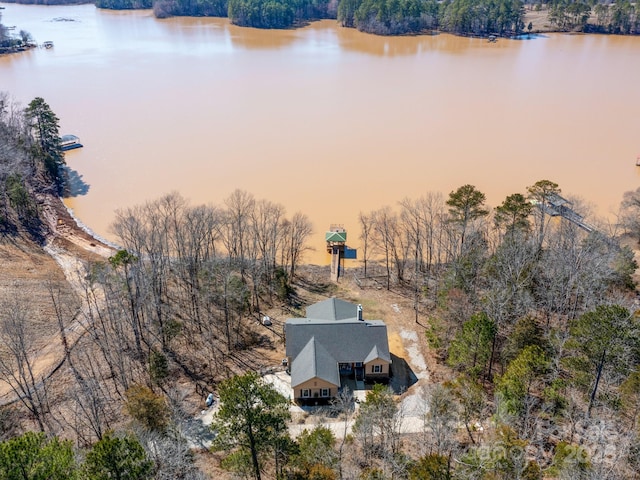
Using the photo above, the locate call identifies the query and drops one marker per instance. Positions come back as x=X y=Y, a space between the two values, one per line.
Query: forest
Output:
x=532 y=317
x=401 y=17
x=382 y=17
x=11 y=43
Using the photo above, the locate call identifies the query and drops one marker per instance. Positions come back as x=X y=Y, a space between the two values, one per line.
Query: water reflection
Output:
x=441 y=43
x=195 y=31
x=530 y=36
x=352 y=40
x=259 y=39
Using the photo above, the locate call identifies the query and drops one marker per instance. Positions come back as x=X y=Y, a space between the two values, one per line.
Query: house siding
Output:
x=368 y=371
x=315 y=386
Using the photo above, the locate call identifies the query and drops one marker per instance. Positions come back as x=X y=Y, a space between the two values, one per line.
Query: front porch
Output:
x=353 y=369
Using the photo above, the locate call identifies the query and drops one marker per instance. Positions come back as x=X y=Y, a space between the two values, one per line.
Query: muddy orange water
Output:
x=323 y=119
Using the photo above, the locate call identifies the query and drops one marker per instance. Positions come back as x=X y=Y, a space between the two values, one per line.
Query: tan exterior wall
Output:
x=368 y=368
x=315 y=385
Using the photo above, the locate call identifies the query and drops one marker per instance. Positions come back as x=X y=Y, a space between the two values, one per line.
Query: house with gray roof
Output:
x=332 y=343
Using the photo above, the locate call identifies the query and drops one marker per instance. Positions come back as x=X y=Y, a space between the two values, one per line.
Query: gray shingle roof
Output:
x=314 y=361
x=346 y=341
x=332 y=309
x=376 y=353
x=332 y=334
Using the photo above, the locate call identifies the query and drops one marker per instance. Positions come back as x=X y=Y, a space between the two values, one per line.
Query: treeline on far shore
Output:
x=12 y=43
x=399 y=17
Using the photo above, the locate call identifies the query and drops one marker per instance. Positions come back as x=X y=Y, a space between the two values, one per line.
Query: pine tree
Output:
x=44 y=126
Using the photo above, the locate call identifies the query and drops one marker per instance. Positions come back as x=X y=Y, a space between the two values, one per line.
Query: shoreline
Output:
x=86 y=229
x=72 y=249
x=538 y=18
x=65 y=228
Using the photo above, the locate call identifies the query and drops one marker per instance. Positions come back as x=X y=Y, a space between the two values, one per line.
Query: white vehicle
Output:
x=266 y=320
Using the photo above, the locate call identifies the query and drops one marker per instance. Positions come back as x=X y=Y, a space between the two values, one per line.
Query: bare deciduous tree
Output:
x=344 y=406
x=18 y=355
x=295 y=233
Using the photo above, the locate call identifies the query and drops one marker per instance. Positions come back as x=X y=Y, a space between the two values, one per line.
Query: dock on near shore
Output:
x=69 y=142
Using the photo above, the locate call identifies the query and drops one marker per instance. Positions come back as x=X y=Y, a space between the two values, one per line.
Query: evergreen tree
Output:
x=119 y=458
x=252 y=417
x=45 y=129
x=471 y=348
x=347 y=11
x=432 y=467
x=515 y=385
x=514 y=213
x=33 y=456
x=540 y=193
x=605 y=340
x=261 y=13
x=526 y=332
x=149 y=409
x=465 y=205
x=317 y=454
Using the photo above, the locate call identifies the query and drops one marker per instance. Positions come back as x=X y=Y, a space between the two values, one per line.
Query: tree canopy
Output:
x=471 y=348
x=398 y=17
x=261 y=13
x=121 y=458
x=45 y=128
x=33 y=456
x=607 y=339
x=316 y=457
x=252 y=417
x=466 y=204
x=514 y=213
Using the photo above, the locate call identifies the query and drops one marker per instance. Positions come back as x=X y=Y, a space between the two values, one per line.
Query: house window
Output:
x=324 y=392
x=358 y=364
x=306 y=393
x=376 y=368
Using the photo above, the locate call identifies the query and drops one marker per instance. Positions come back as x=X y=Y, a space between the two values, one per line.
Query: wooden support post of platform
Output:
x=335 y=264
x=336 y=239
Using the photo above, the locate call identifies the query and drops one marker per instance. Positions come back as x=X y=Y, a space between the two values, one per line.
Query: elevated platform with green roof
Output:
x=336 y=236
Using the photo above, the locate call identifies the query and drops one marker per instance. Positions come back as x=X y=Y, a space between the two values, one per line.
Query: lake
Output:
x=323 y=119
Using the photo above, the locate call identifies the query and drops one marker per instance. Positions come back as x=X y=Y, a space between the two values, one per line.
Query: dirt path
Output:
x=69 y=245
